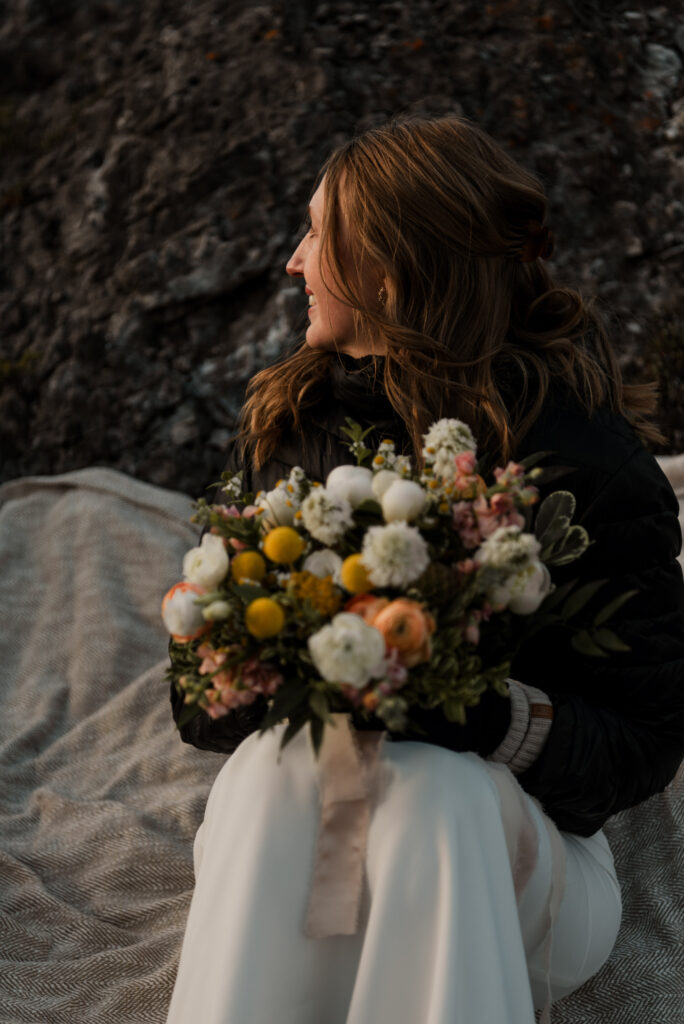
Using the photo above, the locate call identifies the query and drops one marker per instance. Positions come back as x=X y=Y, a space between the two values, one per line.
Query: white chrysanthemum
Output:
x=325 y=515
x=508 y=549
x=446 y=439
x=353 y=483
x=385 y=457
x=295 y=483
x=394 y=555
x=348 y=650
x=324 y=563
x=207 y=564
x=403 y=500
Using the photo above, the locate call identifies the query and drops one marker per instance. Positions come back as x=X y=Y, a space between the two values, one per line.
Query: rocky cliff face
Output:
x=157 y=159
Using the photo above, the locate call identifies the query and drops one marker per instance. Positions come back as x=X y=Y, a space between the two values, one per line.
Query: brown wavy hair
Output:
x=468 y=329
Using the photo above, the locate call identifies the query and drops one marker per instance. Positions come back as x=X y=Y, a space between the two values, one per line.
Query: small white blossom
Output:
x=394 y=555
x=509 y=549
x=207 y=564
x=216 y=610
x=233 y=489
x=446 y=439
x=348 y=650
x=385 y=458
x=353 y=483
x=404 y=500
x=326 y=516
x=403 y=465
x=324 y=563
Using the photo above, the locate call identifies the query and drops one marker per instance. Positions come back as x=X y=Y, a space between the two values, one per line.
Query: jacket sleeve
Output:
x=617 y=735
x=221 y=735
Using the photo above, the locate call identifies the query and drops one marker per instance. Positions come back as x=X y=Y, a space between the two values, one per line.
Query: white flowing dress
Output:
x=441 y=937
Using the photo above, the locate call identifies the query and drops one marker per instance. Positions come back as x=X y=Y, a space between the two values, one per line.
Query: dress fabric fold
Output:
x=441 y=936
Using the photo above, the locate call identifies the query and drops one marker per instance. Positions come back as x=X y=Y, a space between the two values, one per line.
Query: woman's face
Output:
x=331 y=322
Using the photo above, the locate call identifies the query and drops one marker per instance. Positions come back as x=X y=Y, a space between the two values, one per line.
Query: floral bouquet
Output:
x=379 y=591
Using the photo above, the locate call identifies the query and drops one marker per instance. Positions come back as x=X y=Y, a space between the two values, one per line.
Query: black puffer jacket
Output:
x=617 y=735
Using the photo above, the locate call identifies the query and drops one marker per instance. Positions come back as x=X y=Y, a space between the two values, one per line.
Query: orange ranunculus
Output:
x=367 y=606
x=407 y=627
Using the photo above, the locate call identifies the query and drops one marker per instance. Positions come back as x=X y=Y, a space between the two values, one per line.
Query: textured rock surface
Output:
x=157 y=159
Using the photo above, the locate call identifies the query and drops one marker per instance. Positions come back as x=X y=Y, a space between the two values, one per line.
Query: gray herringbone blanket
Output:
x=100 y=800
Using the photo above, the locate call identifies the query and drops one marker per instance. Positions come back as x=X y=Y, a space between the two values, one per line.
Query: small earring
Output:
x=382 y=295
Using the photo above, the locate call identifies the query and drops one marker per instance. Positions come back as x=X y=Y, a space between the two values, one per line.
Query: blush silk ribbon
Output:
x=348 y=768
x=348 y=774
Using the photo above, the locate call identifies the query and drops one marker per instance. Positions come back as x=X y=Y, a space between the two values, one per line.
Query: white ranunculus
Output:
x=404 y=500
x=348 y=650
x=324 y=563
x=181 y=615
x=207 y=565
x=353 y=483
x=529 y=587
x=216 y=611
x=279 y=506
x=383 y=479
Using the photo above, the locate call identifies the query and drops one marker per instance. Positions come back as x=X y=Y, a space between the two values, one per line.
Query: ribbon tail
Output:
x=347 y=764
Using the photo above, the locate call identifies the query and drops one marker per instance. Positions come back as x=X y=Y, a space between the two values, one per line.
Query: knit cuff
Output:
x=541 y=719
x=531 y=718
x=520 y=720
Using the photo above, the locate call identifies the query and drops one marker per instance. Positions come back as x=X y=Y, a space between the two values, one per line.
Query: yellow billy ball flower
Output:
x=248 y=565
x=264 y=617
x=354 y=575
x=283 y=545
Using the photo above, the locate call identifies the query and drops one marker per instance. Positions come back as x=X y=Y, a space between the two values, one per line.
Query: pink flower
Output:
x=472 y=633
x=229 y=511
x=465 y=463
x=465 y=524
x=512 y=474
x=261 y=676
x=468 y=565
x=211 y=659
x=237 y=545
x=499 y=511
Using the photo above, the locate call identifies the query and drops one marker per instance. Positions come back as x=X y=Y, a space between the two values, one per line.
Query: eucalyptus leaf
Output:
x=613 y=606
x=531 y=460
x=581 y=597
x=609 y=640
x=583 y=643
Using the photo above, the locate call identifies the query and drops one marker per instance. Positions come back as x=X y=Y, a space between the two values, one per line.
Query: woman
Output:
x=428 y=298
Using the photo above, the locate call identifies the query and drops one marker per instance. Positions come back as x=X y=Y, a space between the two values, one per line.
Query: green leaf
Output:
x=583 y=643
x=189 y=712
x=296 y=723
x=613 y=606
x=608 y=639
x=556 y=596
x=319 y=705
x=286 y=701
x=316 y=728
x=248 y=592
x=581 y=597
x=370 y=506
x=575 y=544
x=531 y=460
x=560 y=503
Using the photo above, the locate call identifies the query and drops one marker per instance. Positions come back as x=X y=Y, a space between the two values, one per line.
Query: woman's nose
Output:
x=294 y=264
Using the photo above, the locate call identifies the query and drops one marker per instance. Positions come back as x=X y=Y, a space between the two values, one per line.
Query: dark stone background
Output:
x=157 y=158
